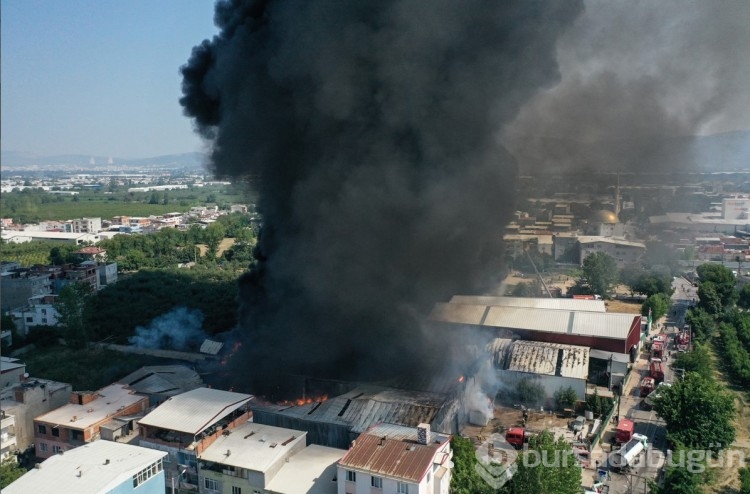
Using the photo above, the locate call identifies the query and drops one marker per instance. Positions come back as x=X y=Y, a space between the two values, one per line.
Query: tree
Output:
x=711 y=428
x=464 y=478
x=710 y=298
x=70 y=306
x=530 y=393
x=744 y=480
x=678 y=480
x=744 y=297
x=600 y=270
x=723 y=279
x=658 y=304
x=650 y=284
x=547 y=466
x=697 y=360
x=10 y=470
x=565 y=397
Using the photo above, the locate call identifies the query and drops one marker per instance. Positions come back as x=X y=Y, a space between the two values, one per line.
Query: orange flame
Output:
x=461 y=379
x=304 y=401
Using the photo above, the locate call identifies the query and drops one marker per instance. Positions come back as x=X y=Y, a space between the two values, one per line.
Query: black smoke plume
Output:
x=639 y=81
x=372 y=129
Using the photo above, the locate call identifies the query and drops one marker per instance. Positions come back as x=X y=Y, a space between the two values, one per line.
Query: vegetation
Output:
x=712 y=428
x=698 y=361
x=530 y=392
x=86 y=369
x=647 y=283
x=537 y=472
x=465 y=479
x=744 y=480
x=721 y=279
x=35 y=205
x=600 y=406
x=10 y=470
x=678 y=480
x=658 y=304
x=565 y=398
x=71 y=307
x=600 y=273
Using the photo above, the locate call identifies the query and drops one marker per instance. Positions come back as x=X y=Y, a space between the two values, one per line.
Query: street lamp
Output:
x=179 y=475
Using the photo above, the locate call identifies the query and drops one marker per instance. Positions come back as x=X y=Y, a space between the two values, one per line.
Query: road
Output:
x=646 y=421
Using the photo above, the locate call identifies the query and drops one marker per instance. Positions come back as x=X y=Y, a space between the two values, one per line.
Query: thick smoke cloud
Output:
x=639 y=79
x=372 y=129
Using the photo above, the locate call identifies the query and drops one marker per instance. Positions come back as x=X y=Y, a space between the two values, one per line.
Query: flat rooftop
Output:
x=253 y=446
x=311 y=471
x=532 y=302
x=84 y=470
x=111 y=400
x=196 y=410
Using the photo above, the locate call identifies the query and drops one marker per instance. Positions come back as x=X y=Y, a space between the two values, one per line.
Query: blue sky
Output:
x=98 y=77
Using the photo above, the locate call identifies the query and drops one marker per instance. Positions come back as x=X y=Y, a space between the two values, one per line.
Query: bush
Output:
x=530 y=393
x=565 y=398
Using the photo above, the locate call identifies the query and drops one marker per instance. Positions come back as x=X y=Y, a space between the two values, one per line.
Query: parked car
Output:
x=578 y=424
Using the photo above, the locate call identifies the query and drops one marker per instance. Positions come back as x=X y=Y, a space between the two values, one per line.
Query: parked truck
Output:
x=518 y=436
x=656 y=371
x=626 y=456
x=624 y=431
x=657 y=350
x=647 y=386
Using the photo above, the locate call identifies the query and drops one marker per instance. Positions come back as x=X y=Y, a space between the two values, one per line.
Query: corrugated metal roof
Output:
x=195 y=411
x=111 y=401
x=403 y=433
x=253 y=446
x=211 y=347
x=163 y=379
x=532 y=302
x=604 y=355
x=458 y=313
x=550 y=358
x=404 y=460
x=599 y=324
x=59 y=473
x=367 y=405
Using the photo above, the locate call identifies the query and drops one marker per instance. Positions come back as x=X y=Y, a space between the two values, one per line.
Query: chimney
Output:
x=423 y=433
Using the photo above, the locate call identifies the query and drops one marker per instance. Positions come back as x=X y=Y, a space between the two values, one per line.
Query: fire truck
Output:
x=656 y=371
x=647 y=385
x=657 y=349
x=682 y=340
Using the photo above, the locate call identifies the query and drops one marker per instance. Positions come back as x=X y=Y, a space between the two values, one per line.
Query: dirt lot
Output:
x=226 y=243
x=506 y=417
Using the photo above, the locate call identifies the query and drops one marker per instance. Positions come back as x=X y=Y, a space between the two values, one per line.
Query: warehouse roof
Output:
x=96 y=467
x=552 y=359
x=367 y=405
x=577 y=323
x=110 y=401
x=586 y=239
x=196 y=410
x=537 y=303
x=163 y=379
x=253 y=446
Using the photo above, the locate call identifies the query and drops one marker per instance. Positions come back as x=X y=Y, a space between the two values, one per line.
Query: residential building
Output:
x=624 y=253
x=246 y=458
x=107 y=274
x=84 y=225
x=40 y=311
x=188 y=423
x=8 y=443
x=101 y=467
x=29 y=398
x=238 y=208
x=79 y=421
x=390 y=458
x=92 y=253
x=12 y=371
x=311 y=471
x=17 y=287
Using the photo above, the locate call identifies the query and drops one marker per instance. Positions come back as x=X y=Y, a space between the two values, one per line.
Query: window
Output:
x=42 y=429
x=56 y=431
x=76 y=435
x=56 y=449
x=376 y=482
x=44 y=311
x=211 y=484
x=42 y=446
x=29 y=319
x=402 y=488
x=351 y=476
x=236 y=490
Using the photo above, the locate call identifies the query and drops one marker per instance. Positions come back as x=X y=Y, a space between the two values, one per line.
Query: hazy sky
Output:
x=98 y=77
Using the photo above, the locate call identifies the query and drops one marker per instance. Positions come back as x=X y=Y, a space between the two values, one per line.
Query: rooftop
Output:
x=8 y=364
x=311 y=471
x=536 y=303
x=196 y=410
x=253 y=446
x=111 y=400
x=394 y=458
x=552 y=359
x=84 y=470
x=590 y=239
x=163 y=379
x=600 y=324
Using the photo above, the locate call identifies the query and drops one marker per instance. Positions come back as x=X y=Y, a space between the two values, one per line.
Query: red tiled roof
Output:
x=90 y=250
x=390 y=457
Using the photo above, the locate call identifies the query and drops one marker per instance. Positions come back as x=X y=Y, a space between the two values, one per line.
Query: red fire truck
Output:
x=657 y=372
x=657 y=349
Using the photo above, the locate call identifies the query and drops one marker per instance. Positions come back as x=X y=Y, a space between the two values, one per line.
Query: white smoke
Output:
x=179 y=329
x=482 y=389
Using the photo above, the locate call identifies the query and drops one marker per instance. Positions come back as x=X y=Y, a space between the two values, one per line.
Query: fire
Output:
x=235 y=348
x=461 y=379
x=304 y=401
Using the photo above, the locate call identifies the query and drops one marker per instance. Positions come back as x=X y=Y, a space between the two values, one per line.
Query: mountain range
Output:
x=13 y=159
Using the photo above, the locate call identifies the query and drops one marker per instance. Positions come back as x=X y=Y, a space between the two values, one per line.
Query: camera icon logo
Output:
x=496 y=461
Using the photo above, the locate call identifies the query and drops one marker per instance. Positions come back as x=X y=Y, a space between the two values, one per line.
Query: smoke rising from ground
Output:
x=638 y=80
x=373 y=129
x=179 y=329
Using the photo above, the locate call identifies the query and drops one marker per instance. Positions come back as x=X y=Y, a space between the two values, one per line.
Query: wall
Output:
x=154 y=485
x=549 y=383
x=37 y=400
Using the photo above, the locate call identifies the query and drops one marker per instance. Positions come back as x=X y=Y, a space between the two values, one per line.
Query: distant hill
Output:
x=12 y=159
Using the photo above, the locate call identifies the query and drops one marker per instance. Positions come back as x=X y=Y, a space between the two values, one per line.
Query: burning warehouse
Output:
x=335 y=422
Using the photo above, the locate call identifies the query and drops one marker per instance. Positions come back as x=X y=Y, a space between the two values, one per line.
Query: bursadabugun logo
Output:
x=496 y=461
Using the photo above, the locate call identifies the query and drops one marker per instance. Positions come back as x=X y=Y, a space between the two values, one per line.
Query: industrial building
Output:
x=161 y=382
x=606 y=331
x=337 y=421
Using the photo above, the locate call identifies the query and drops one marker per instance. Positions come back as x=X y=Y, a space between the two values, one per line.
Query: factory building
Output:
x=337 y=421
x=606 y=331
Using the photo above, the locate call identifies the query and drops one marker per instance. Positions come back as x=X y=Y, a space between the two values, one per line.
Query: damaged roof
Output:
x=552 y=359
